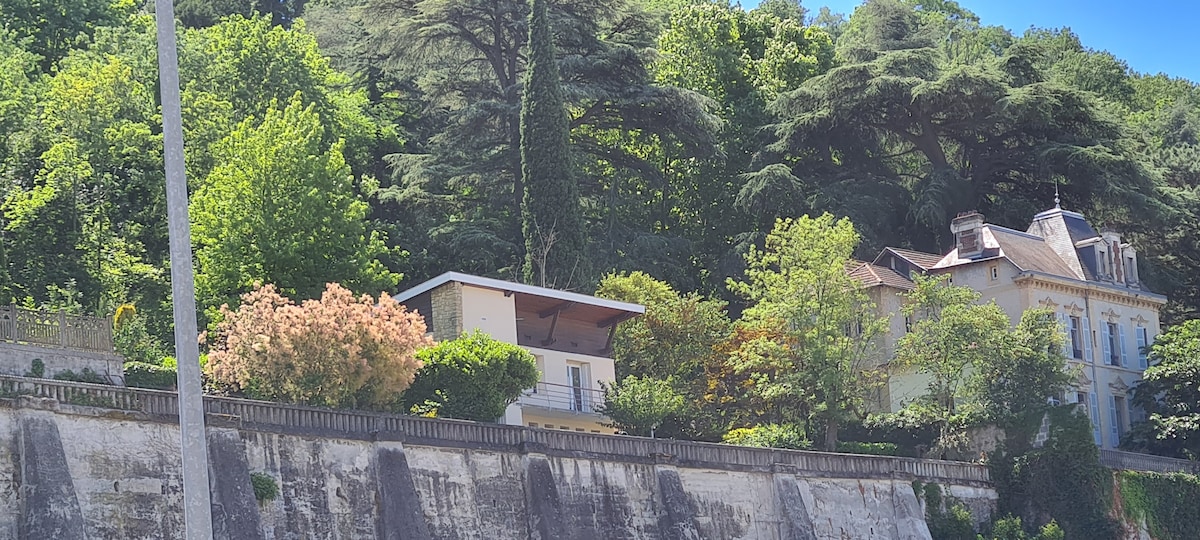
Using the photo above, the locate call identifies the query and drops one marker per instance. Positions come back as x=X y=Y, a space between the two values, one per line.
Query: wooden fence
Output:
x=57 y=329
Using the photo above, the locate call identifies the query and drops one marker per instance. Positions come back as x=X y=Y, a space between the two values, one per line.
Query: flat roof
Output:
x=520 y=288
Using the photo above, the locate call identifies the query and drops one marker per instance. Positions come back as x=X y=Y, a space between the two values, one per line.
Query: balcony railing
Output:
x=20 y=325
x=563 y=397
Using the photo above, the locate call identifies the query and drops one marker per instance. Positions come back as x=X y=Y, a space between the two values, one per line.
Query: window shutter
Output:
x=1121 y=342
x=1094 y=413
x=1112 y=418
x=1105 y=343
x=1141 y=345
x=1065 y=324
x=1085 y=334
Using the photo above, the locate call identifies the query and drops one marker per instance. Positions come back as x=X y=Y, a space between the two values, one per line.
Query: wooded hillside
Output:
x=377 y=143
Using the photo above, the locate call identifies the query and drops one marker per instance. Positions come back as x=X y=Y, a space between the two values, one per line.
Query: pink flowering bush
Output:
x=339 y=351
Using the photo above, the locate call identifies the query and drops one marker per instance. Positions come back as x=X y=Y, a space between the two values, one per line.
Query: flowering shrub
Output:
x=339 y=351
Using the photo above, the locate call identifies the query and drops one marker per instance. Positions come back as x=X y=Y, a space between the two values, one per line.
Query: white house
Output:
x=1088 y=278
x=569 y=334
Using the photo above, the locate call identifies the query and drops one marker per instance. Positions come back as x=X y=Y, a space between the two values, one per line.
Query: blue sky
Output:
x=1150 y=35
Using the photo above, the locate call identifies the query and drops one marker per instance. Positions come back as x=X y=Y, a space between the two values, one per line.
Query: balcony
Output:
x=563 y=398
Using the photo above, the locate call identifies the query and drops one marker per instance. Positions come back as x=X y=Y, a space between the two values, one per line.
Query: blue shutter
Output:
x=1121 y=342
x=1085 y=334
x=1141 y=345
x=1094 y=413
x=1114 y=436
x=1105 y=344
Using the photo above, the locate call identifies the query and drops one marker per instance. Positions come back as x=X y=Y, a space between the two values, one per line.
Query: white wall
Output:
x=490 y=311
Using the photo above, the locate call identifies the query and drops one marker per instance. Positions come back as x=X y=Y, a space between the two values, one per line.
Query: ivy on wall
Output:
x=1167 y=503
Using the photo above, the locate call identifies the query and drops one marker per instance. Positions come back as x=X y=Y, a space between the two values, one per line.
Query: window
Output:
x=1119 y=412
x=1094 y=414
x=995 y=271
x=1076 y=330
x=1143 y=342
x=1130 y=269
x=1103 y=260
x=1112 y=344
x=907 y=324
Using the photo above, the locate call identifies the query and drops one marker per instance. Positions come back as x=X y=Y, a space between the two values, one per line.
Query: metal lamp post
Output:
x=197 y=507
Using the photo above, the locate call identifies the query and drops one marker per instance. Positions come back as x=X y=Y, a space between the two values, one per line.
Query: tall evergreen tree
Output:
x=552 y=219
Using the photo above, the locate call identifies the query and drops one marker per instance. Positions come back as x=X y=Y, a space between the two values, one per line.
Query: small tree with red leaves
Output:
x=339 y=351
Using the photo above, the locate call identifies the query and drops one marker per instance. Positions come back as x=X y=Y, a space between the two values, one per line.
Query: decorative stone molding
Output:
x=1111 y=315
x=1119 y=387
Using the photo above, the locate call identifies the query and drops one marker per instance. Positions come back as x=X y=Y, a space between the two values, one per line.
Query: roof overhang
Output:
x=542 y=296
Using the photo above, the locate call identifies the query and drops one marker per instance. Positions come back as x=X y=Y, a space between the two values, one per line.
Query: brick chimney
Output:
x=968 y=234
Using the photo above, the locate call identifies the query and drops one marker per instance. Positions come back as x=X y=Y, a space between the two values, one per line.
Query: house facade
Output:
x=1089 y=279
x=569 y=334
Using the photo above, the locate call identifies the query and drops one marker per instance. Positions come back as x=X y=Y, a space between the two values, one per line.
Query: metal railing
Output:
x=362 y=425
x=1130 y=461
x=20 y=325
x=563 y=397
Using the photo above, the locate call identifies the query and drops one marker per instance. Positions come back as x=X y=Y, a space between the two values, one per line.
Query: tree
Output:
x=280 y=208
x=338 y=351
x=980 y=369
x=54 y=27
x=900 y=137
x=1004 y=386
x=552 y=220
x=676 y=340
x=950 y=335
x=473 y=377
x=1170 y=396
x=826 y=323
x=639 y=405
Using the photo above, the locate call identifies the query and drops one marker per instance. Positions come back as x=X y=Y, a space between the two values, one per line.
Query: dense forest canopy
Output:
x=377 y=143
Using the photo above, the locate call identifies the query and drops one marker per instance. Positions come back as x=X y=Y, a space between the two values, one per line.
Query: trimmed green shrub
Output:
x=769 y=436
x=84 y=376
x=873 y=448
x=473 y=377
x=37 y=369
x=143 y=375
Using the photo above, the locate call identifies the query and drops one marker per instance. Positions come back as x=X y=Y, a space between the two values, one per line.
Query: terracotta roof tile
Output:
x=871 y=275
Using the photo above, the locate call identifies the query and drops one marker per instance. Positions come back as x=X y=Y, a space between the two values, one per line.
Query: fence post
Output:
x=62 y=328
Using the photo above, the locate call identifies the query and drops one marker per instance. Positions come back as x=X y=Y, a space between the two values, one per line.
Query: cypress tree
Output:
x=552 y=219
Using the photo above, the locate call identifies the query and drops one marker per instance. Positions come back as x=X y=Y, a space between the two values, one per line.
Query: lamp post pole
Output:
x=197 y=509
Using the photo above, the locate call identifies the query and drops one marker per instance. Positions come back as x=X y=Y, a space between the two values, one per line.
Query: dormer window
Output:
x=1102 y=258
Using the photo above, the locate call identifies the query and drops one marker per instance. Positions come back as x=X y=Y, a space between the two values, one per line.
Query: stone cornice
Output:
x=1108 y=293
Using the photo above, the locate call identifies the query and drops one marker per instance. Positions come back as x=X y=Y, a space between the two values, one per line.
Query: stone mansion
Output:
x=1088 y=278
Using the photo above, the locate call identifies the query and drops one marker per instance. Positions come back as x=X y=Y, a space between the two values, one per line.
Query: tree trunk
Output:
x=831 y=434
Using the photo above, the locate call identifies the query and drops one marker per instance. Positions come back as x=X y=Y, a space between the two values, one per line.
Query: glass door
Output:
x=575 y=381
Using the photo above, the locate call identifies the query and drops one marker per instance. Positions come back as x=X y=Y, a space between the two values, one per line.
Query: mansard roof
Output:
x=1028 y=252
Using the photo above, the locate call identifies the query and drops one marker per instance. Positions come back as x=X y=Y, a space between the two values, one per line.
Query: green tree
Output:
x=1169 y=394
x=950 y=335
x=798 y=285
x=675 y=340
x=900 y=137
x=473 y=377
x=552 y=220
x=54 y=27
x=1034 y=370
x=279 y=208
x=639 y=405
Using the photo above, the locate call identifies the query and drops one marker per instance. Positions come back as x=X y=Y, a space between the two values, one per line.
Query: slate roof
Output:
x=1027 y=252
x=873 y=276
